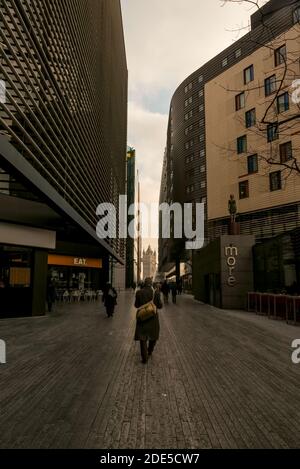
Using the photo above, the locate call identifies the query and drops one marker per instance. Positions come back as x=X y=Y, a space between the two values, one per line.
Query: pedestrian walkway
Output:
x=216 y=380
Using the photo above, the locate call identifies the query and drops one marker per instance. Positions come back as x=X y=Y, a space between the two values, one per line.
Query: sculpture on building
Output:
x=232 y=208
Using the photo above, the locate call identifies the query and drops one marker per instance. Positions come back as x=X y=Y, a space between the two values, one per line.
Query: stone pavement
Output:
x=216 y=380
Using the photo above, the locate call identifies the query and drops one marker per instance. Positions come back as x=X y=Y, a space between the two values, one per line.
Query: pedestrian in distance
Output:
x=147 y=332
x=174 y=292
x=109 y=299
x=179 y=287
x=51 y=294
x=165 y=291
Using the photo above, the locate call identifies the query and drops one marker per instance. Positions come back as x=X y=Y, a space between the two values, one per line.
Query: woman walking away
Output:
x=109 y=299
x=147 y=330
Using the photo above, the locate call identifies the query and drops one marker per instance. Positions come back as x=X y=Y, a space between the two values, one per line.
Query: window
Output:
x=238 y=53
x=201 y=138
x=252 y=164
x=188 y=101
x=283 y=102
x=275 y=181
x=201 y=108
x=203 y=185
x=189 y=87
x=242 y=144
x=202 y=153
x=201 y=122
x=190 y=189
x=188 y=115
x=240 y=101
x=248 y=74
x=188 y=129
x=272 y=132
x=250 y=118
x=201 y=93
x=296 y=15
x=244 y=189
x=270 y=85
x=225 y=62
x=286 y=152
x=202 y=169
x=189 y=159
x=200 y=79
x=203 y=200
x=280 y=55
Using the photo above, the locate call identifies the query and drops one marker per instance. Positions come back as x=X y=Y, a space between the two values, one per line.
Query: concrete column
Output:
x=40 y=270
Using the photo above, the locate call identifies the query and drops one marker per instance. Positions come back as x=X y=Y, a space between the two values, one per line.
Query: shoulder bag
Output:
x=147 y=311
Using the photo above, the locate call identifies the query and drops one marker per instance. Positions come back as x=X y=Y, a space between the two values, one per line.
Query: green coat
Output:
x=148 y=330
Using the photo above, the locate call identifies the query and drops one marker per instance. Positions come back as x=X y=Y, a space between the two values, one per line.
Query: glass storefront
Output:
x=76 y=278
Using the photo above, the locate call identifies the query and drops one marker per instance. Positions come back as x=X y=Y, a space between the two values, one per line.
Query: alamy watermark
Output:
x=2 y=352
x=2 y=92
x=296 y=353
x=177 y=221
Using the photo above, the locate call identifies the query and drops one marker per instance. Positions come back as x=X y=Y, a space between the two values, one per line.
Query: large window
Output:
x=270 y=85
x=242 y=144
x=15 y=267
x=283 y=102
x=250 y=118
x=240 y=101
x=275 y=181
x=286 y=152
x=252 y=164
x=280 y=55
x=244 y=189
x=248 y=74
x=272 y=132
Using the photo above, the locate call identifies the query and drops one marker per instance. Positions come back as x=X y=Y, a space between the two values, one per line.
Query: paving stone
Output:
x=217 y=379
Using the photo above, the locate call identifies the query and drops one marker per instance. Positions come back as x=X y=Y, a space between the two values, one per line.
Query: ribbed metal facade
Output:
x=186 y=136
x=64 y=66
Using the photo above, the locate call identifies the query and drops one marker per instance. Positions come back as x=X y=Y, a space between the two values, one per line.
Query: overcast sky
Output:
x=166 y=40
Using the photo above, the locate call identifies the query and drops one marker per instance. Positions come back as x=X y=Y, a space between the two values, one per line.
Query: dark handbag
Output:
x=146 y=312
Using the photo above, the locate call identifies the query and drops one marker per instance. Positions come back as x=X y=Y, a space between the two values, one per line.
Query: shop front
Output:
x=75 y=277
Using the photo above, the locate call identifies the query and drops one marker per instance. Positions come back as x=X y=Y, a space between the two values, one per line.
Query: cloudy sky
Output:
x=166 y=40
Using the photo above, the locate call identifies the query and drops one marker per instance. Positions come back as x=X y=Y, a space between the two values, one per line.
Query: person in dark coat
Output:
x=148 y=330
x=165 y=289
x=51 y=294
x=109 y=299
x=174 y=292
